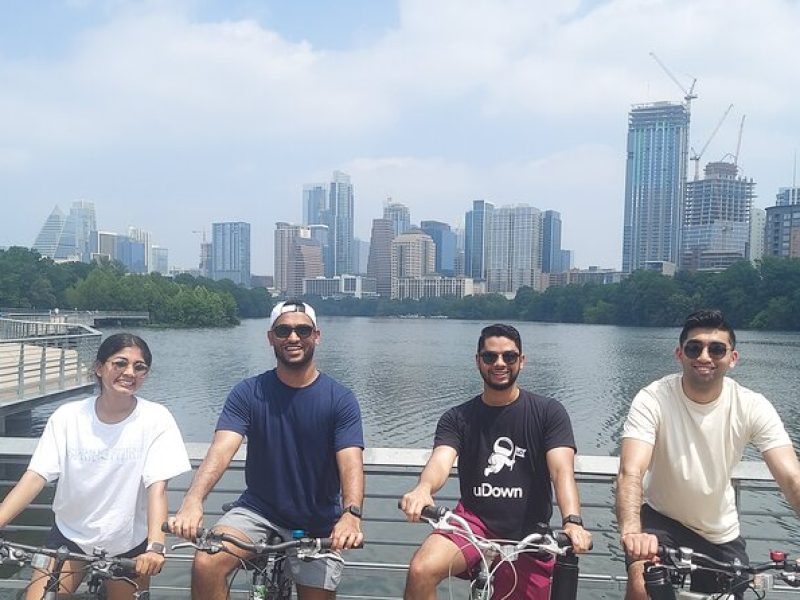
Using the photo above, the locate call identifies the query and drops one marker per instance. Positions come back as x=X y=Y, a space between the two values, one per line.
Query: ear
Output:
x=270 y=339
x=679 y=354
x=317 y=337
x=521 y=361
x=734 y=358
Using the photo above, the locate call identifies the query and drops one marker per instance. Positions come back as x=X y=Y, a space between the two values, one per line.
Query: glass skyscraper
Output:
x=476 y=239
x=68 y=237
x=551 y=242
x=514 y=256
x=655 y=181
x=230 y=254
x=445 y=241
x=340 y=223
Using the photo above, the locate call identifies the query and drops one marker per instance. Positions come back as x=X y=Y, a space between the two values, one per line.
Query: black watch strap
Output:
x=575 y=519
x=354 y=510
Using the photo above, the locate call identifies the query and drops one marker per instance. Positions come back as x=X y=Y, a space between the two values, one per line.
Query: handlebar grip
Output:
x=125 y=567
x=434 y=512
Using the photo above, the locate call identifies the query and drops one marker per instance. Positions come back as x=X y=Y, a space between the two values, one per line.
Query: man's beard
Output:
x=512 y=378
x=308 y=355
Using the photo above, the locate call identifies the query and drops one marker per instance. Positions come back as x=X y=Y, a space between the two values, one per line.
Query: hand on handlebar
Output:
x=188 y=520
x=640 y=546
x=149 y=563
x=414 y=501
x=346 y=533
x=580 y=539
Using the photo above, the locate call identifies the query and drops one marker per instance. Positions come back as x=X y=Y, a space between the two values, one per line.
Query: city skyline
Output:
x=166 y=116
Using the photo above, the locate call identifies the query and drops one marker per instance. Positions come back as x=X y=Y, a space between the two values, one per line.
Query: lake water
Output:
x=407 y=372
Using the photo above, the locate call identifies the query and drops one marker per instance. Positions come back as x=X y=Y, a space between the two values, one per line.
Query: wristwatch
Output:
x=156 y=547
x=576 y=519
x=354 y=510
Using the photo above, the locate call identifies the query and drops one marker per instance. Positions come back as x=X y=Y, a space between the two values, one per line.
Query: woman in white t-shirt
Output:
x=112 y=455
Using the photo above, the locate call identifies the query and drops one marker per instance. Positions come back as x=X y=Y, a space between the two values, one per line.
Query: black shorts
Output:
x=56 y=539
x=672 y=533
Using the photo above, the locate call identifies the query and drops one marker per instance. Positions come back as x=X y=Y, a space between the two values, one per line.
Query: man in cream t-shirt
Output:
x=684 y=435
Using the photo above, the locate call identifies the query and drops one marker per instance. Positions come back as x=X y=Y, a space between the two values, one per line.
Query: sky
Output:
x=170 y=115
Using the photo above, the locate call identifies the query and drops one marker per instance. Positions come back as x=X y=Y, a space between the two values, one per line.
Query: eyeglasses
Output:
x=120 y=364
x=509 y=357
x=694 y=348
x=284 y=331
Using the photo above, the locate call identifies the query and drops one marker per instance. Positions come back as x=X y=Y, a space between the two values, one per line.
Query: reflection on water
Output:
x=407 y=372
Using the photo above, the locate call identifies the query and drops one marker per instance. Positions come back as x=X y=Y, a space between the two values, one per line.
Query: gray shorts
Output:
x=322 y=573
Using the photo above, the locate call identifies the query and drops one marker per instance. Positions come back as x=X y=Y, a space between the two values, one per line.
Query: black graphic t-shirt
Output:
x=502 y=466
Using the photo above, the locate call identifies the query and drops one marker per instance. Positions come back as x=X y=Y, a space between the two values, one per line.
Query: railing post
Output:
x=61 y=369
x=21 y=373
x=43 y=371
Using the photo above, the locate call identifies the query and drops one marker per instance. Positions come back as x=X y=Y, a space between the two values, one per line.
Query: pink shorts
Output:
x=532 y=579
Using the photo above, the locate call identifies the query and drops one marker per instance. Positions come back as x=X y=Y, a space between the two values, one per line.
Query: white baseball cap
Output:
x=292 y=306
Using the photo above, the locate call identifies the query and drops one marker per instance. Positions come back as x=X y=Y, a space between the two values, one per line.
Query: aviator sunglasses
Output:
x=284 y=331
x=694 y=348
x=509 y=357
x=120 y=364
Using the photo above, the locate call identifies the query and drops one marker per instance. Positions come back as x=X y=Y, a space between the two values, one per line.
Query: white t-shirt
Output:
x=695 y=448
x=103 y=470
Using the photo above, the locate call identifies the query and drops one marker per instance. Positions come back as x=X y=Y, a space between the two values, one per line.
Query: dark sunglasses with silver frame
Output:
x=694 y=348
x=284 y=331
x=509 y=357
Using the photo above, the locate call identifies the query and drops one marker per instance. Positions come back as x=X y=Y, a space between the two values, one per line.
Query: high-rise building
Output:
x=655 y=181
x=398 y=214
x=360 y=256
x=160 y=260
x=551 y=242
x=758 y=225
x=322 y=234
x=68 y=237
x=477 y=224
x=788 y=196
x=445 y=241
x=716 y=216
x=413 y=256
x=305 y=262
x=230 y=259
x=146 y=238
x=340 y=221
x=104 y=244
x=514 y=256
x=285 y=234
x=315 y=204
x=379 y=264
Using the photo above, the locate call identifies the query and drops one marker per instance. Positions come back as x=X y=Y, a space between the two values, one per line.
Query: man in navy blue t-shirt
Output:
x=304 y=467
x=510 y=444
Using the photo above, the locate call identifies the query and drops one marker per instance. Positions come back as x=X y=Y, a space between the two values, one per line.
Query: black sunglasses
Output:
x=284 y=331
x=694 y=348
x=509 y=357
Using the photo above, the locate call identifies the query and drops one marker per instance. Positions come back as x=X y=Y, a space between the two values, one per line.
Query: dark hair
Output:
x=500 y=330
x=707 y=319
x=119 y=341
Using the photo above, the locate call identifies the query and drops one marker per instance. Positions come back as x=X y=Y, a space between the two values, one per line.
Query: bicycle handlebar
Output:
x=13 y=552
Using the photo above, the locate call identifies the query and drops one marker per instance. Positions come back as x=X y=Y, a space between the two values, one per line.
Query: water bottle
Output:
x=481 y=586
x=565 y=578
x=658 y=584
x=259 y=592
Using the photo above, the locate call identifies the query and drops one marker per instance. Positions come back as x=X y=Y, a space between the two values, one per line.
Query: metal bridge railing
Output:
x=40 y=358
x=378 y=571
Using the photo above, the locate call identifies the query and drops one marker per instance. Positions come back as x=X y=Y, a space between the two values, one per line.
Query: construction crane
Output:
x=688 y=95
x=738 y=143
x=697 y=155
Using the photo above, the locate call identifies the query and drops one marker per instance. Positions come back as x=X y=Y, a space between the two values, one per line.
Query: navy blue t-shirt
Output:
x=293 y=435
x=502 y=459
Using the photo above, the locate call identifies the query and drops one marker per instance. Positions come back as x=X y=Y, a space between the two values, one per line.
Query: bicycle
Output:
x=564 y=584
x=666 y=579
x=99 y=567
x=269 y=580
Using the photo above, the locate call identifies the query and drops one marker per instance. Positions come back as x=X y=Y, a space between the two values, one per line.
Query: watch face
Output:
x=354 y=510
x=573 y=519
x=155 y=547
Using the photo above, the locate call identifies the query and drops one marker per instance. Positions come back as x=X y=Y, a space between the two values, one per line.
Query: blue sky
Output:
x=170 y=115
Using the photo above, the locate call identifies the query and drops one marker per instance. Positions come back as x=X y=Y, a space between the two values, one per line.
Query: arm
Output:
x=150 y=563
x=347 y=531
x=633 y=464
x=785 y=468
x=21 y=495
x=431 y=480
x=190 y=515
x=561 y=463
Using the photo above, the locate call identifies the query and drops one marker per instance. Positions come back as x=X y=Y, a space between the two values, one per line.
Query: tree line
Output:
x=761 y=296
x=29 y=280
x=765 y=295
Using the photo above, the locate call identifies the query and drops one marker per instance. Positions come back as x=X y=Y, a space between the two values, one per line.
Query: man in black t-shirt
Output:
x=510 y=444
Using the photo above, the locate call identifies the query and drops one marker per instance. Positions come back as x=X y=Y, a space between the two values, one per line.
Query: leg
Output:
x=122 y=590
x=70 y=579
x=310 y=593
x=210 y=571
x=635 y=589
x=437 y=558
